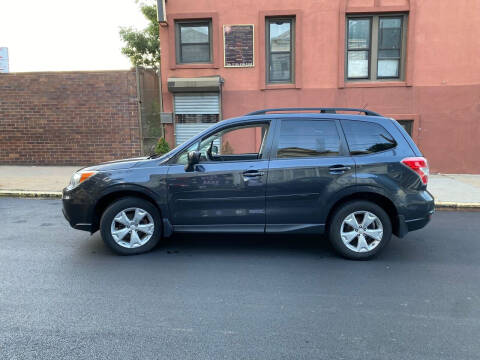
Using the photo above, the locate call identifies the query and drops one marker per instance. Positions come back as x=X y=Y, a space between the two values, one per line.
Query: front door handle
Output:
x=252 y=173
x=338 y=169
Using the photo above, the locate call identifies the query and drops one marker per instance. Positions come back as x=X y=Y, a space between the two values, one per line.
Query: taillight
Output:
x=419 y=165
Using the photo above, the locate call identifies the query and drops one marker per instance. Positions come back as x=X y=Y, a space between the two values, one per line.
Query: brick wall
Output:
x=68 y=118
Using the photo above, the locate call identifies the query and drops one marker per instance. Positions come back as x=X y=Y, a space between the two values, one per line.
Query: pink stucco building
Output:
x=415 y=60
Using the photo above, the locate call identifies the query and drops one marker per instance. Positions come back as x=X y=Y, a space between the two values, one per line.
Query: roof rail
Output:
x=322 y=110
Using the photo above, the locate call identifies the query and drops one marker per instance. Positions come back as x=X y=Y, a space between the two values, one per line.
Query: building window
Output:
x=407 y=125
x=193 y=41
x=375 y=48
x=280 y=50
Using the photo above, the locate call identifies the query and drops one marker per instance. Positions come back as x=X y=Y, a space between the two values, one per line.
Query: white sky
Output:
x=55 y=35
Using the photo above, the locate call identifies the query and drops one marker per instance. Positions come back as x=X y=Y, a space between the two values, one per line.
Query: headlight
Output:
x=80 y=177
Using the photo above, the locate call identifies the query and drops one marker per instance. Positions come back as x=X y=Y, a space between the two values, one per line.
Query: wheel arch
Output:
x=368 y=195
x=117 y=193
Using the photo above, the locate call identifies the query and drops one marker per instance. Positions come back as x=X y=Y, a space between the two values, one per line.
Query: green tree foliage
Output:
x=162 y=147
x=142 y=46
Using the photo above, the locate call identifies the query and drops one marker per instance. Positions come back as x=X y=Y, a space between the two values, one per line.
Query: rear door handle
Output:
x=338 y=169
x=252 y=173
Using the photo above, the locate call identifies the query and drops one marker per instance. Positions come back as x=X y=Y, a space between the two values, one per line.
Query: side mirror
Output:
x=215 y=149
x=193 y=159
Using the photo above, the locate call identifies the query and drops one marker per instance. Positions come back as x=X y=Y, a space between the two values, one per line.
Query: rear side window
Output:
x=308 y=138
x=367 y=138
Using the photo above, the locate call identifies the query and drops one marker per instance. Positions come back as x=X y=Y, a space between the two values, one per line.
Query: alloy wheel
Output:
x=132 y=227
x=361 y=231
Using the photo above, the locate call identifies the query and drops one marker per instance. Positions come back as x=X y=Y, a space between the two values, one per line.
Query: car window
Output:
x=182 y=158
x=308 y=138
x=243 y=142
x=366 y=138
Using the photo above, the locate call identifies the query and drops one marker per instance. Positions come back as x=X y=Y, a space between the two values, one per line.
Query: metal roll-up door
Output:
x=197 y=104
x=184 y=132
x=194 y=104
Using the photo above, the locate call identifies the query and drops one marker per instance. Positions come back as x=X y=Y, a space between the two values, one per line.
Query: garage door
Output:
x=194 y=113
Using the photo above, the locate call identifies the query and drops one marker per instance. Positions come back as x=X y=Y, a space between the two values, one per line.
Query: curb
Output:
x=450 y=205
x=440 y=205
x=31 y=194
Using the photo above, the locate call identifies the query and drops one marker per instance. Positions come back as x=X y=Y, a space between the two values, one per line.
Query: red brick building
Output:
x=68 y=118
x=414 y=60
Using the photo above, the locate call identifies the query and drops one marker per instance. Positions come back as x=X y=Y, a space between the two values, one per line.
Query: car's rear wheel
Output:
x=359 y=230
x=131 y=226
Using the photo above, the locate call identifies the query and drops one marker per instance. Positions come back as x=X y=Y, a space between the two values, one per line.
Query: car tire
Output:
x=131 y=226
x=359 y=230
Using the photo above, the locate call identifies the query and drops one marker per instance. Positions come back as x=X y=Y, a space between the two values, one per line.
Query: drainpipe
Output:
x=222 y=81
x=139 y=105
x=162 y=129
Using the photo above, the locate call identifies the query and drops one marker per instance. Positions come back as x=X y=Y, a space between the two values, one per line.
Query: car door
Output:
x=226 y=190
x=309 y=163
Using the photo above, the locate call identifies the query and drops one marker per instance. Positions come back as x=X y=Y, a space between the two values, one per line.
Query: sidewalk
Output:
x=35 y=181
x=453 y=190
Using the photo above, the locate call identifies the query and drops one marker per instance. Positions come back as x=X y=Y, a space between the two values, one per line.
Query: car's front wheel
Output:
x=131 y=226
x=360 y=229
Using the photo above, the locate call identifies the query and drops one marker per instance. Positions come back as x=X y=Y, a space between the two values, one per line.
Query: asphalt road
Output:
x=64 y=295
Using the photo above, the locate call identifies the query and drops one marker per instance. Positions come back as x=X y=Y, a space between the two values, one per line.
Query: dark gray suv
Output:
x=357 y=178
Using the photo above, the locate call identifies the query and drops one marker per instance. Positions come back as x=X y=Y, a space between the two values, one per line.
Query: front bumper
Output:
x=77 y=209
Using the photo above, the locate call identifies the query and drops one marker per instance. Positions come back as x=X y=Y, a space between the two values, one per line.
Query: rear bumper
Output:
x=423 y=210
x=417 y=224
x=405 y=226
